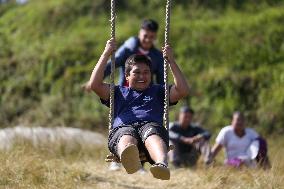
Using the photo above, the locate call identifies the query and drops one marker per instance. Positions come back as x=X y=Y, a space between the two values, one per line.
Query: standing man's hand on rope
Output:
x=168 y=53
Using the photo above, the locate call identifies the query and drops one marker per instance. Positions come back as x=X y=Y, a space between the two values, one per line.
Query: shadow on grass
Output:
x=106 y=180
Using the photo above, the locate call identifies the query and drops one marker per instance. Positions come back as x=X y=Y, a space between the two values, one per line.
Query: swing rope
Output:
x=111 y=157
x=166 y=66
x=111 y=111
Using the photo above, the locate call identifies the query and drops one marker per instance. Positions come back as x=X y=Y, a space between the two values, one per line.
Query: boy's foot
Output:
x=130 y=159
x=160 y=171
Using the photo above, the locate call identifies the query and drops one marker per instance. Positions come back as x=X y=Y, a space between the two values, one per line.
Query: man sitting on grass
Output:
x=190 y=141
x=243 y=146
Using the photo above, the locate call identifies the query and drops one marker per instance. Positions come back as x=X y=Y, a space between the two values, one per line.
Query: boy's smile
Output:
x=139 y=77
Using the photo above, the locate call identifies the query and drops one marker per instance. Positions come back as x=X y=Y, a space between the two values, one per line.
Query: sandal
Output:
x=160 y=171
x=130 y=159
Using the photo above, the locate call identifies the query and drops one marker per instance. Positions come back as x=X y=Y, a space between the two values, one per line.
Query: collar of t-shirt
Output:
x=142 y=51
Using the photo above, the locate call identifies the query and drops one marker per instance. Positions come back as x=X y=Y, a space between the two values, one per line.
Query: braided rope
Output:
x=166 y=66
x=111 y=110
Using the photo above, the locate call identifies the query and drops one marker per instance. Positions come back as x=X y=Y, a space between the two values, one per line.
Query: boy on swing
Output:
x=138 y=110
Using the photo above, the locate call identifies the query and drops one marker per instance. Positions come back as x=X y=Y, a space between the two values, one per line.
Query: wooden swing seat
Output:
x=142 y=156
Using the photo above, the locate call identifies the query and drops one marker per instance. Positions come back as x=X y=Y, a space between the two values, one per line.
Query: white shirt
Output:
x=235 y=146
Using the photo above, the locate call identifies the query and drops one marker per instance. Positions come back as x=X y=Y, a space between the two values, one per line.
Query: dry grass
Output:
x=27 y=167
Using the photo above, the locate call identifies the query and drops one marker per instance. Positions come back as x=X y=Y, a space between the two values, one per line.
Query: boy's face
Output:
x=139 y=77
x=147 y=38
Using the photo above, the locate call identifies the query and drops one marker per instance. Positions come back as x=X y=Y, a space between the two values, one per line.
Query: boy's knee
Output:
x=153 y=131
x=127 y=139
x=121 y=137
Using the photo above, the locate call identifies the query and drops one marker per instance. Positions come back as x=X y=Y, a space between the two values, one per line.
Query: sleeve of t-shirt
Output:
x=221 y=138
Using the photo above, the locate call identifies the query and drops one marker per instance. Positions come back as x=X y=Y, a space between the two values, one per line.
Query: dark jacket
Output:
x=129 y=48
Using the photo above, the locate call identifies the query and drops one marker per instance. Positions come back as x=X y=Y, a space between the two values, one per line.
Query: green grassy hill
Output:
x=232 y=53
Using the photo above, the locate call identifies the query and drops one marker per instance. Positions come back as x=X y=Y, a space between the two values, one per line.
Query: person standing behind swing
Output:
x=138 y=110
x=143 y=44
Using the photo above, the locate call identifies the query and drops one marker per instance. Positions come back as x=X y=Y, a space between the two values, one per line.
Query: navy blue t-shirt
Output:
x=134 y=106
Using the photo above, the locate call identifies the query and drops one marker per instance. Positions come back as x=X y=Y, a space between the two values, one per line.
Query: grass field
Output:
x=54 y=167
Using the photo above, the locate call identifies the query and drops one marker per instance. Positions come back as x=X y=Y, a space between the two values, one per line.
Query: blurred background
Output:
x=231 y=51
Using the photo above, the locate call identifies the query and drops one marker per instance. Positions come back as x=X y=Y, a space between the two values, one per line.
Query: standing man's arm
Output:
x=120 y=57
x=124 y=51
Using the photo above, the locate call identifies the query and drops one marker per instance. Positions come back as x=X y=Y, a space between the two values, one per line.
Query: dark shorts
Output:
x=140 y=131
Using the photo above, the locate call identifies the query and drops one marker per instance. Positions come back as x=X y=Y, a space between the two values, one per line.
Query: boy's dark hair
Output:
x=136 y=59
x=150 y=25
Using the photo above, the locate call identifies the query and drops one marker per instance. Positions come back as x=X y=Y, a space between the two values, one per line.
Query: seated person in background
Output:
x=243 y=145
x=189 y=140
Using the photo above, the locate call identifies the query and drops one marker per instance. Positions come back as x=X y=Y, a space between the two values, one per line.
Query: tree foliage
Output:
x=232 y=52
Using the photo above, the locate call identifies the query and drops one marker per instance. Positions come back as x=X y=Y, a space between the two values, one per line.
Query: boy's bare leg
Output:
x=125 y=141
x=158 y=152
x=157 y=149
x=129 y=154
